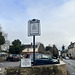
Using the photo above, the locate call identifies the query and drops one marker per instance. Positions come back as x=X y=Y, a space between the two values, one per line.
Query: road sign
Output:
x=34 y=30
x=34 y=27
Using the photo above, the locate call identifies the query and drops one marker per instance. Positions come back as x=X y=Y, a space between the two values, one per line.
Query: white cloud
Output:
x=56 y=17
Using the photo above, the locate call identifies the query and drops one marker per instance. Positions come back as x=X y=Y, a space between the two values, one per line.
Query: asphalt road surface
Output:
x=8 y=64
x=70 y=64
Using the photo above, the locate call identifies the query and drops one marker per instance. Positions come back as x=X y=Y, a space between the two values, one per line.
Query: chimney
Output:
x=31 y=45
x=71 y=42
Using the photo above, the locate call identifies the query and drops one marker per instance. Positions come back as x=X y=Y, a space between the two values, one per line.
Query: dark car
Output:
x=42 y=59
x=13 y=57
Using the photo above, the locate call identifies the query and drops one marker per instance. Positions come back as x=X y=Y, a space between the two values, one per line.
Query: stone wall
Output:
x=59 y=69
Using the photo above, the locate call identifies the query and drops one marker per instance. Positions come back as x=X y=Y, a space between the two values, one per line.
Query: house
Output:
x=39 y=48
x=71 y=50
x=29 y=50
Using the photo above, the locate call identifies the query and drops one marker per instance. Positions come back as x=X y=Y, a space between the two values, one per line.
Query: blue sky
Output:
x=56 y=17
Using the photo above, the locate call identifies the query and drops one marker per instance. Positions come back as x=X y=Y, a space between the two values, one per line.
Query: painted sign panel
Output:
x=26 y=62
x=33 y=27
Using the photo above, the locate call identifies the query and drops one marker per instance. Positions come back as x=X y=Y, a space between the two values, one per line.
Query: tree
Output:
x=2 y=40
x=52 y=50
x=11 y=50
x=16 y=43
x=14 y=50
x=49 y=50
x=16 y=47
x=22 y=47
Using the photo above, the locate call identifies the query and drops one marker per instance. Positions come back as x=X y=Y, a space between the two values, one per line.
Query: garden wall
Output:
x=59 y=69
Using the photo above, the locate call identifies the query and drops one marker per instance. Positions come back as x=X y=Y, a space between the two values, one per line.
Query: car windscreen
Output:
x=40 y=56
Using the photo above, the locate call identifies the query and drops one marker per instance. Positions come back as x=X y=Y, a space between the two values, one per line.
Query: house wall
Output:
x=29 y=51
x=71 y=52
x=24 y=53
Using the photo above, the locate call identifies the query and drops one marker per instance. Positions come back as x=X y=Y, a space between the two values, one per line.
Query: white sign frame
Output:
x=34 y=27
x=26 y=62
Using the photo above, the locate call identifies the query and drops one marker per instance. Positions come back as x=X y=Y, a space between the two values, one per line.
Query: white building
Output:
x=71 y=50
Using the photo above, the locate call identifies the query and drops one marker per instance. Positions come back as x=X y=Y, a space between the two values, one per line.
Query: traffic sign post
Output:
x=34 y=49
x=34 y=30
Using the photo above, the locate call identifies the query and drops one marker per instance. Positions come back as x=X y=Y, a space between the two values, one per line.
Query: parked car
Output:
x=3 y=54
x=13 y=57
x=46 y=61
x=67 y=58
x=42 y=59
x=54 y=57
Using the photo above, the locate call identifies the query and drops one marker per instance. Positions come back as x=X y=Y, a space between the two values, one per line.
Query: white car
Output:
x=66 y=57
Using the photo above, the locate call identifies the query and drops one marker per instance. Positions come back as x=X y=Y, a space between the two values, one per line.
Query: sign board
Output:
x=26 y=62
x=34 y=27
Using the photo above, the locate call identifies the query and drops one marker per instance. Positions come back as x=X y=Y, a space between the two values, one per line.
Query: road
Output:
x=8 y=64
x=70 y=64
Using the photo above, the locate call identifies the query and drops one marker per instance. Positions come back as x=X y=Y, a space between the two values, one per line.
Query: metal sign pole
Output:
x=34 y=30
x=34 y=49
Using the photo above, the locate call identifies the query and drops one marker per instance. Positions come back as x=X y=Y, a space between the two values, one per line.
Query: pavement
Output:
x=70 y=65
x=61 y=62
x=7 y=64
